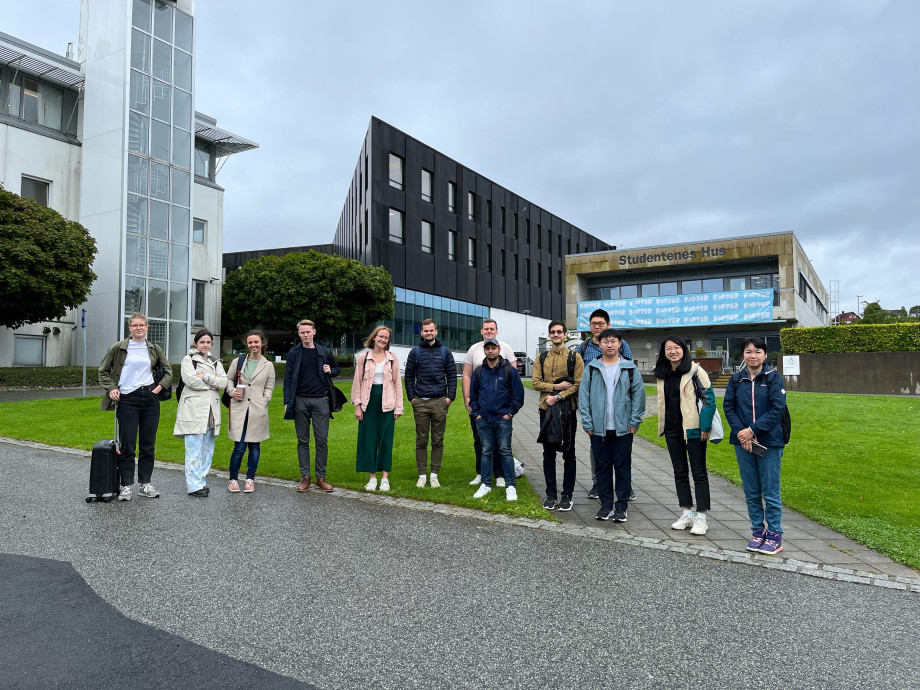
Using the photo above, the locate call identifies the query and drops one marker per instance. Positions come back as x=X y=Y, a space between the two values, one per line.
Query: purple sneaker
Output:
x=772 y=543
x=757 y=540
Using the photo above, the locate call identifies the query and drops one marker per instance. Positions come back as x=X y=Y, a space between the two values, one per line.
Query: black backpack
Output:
x=570 y=363
x=181 y=386
x=785 y=422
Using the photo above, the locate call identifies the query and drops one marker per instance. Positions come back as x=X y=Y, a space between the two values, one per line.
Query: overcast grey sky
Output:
x=641 y=123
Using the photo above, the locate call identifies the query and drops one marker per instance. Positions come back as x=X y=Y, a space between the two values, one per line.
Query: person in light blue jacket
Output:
x=611 y=401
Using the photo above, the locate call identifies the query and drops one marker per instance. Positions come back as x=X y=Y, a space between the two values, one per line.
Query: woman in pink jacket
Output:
x=377 y=395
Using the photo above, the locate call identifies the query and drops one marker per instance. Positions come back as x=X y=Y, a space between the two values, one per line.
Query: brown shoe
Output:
x=304 y=484
x=323 y=484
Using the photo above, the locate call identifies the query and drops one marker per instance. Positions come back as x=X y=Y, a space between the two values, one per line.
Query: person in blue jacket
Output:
x=496 y=394
x=611 y=401
x=754 y=403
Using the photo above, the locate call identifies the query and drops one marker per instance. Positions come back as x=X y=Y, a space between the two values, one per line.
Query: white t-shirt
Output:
x=136 y=370
x=477 y=354
x=611 y=376
x=378 y=371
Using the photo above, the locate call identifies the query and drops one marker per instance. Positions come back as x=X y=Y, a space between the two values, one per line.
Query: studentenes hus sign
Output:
x=704 y=309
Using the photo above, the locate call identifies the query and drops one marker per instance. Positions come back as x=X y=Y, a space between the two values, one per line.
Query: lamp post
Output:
x=526 y=314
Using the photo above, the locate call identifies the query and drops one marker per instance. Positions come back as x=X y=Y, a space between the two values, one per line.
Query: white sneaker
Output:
x=482 y=491
x=699 y=525
x=510 y=494
x=476 y=480
x=435 y=484
x=384 y=484
x=500 y=482
x=683 y=522
x=148 y=491
x=124 y=493
x=371 y=485
x=421 y=481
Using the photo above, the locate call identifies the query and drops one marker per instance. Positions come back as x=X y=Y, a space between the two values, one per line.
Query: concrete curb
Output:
x=791 y=565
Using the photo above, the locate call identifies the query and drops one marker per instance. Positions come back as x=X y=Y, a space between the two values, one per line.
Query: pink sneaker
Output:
x=233 y=487
x=249 y=486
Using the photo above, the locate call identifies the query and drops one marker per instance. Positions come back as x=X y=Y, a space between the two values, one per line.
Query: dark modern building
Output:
x=459 y=246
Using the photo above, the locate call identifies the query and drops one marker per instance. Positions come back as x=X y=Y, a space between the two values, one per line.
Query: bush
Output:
x=890 y=337
x=47 y=377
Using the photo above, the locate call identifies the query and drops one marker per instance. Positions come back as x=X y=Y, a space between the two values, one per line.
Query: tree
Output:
x=340 y=295
x=46 y=259
x=873 y=313
x=915 y=311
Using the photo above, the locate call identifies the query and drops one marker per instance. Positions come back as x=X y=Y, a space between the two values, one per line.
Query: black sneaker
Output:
x=549 y=503
x=619 y=515
x=593 y=492
x=604 y=514
x=632 y=495
x=565 y=503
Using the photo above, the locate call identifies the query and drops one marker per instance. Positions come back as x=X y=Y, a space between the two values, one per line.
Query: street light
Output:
x=526 y=313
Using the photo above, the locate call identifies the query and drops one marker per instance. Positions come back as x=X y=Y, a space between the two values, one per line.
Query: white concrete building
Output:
x=113 y=140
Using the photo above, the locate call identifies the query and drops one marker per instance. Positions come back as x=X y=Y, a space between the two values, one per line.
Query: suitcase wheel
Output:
x=89 y=499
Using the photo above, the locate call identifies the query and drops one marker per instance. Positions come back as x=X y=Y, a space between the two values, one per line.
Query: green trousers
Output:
x=375 y=436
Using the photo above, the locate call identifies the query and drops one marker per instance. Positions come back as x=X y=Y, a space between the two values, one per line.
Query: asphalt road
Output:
x=342 y=593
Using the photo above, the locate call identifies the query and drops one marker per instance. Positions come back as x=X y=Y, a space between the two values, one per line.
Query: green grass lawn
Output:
x=853 y=464
x=78 y=423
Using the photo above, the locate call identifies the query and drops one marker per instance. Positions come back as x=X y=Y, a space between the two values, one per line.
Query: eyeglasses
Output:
x=597 y=324
x=556 y=332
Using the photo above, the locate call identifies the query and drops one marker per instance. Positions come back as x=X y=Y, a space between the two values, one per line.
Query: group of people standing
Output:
x=610 y=405
x=136 y=374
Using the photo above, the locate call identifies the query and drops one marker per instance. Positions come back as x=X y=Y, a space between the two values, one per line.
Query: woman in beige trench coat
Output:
x=198 y=414
x=250 y=386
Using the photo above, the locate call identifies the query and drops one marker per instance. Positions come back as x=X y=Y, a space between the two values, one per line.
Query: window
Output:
x=736 y=283
x=549 y=277
x=426 y=185
x=539 y=236
x=452 y=197
x=471 y=252
x=198 y=304
x=202 y=159
x=501 y=219
x=452 y=245
x=568 y=246
x=396 y=226
x=488 y=213
x=713 y=285
x=514 y=264
x=666 y=289
x=36 y=190
x=559 y=281
x=549 y=239
x=527 y=271
x=691 y=287
x=515 y=226
x=426 y=237
x=527 y=230
x=803 y=287
x=32 y=101
x=471 y=205
x=396 y=171
x=489 y=258
x=650 y=290
x=28 y=351
x=560 y=244
x=629 y=291
x=199 y=231
x=539 y=274
x=501 y=263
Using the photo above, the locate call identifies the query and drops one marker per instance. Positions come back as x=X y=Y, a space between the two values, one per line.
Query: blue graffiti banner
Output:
x=705 y=309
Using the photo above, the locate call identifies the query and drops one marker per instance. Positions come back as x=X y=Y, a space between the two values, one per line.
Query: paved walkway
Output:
x=655 y=507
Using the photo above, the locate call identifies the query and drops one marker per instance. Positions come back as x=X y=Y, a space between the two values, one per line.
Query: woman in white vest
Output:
x=250 y=383
x=198 y=416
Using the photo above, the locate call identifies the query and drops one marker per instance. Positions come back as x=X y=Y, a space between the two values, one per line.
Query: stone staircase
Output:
x=720 y=380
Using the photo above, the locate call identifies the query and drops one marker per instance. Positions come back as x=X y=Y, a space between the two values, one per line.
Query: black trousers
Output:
x=568 y=460
x=138 y=415
x=694 y=450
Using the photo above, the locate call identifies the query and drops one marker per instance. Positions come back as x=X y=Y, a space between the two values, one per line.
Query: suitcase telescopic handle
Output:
x=115 y=432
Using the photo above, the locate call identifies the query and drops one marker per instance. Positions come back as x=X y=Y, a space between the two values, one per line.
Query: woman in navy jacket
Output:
x=753 y=405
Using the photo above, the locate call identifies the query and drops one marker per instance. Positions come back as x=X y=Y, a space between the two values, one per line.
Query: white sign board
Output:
x=791 y=365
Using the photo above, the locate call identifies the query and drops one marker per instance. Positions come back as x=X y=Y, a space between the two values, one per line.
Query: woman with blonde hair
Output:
x=377 y=395
x=198 y=415
x=250 y=385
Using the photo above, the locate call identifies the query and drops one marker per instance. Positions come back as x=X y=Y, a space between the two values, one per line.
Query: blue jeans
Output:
x=496 y=440
x=199 y=450
x=613 y=455
x=760 y=479
x=236 y=457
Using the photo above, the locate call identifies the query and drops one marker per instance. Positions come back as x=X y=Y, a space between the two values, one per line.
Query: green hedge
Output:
x=889 y=337
x=65 y=377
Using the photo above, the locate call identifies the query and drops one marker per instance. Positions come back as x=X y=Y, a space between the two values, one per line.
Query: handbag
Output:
x=336 y=398
x=158 y=373
x=225 y=398
x=715 y=432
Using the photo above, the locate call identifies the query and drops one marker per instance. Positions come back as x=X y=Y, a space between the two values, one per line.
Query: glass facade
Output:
x=158 y=207
x=458 y=322
x=688 y=287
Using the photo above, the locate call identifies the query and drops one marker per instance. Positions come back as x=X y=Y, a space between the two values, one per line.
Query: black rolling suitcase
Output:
x=103 y=470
